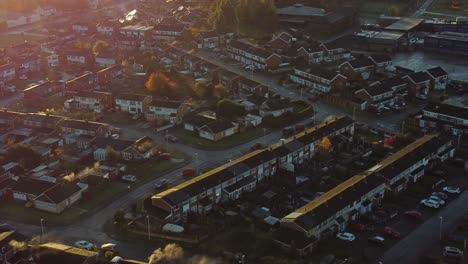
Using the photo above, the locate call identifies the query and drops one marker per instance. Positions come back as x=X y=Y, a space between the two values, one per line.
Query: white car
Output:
x=430 y=203
x=346 y=236
x=452 y=190
x=452 y=252
x=129 y=178
x=437 y=199
x=115 y=136
x=83 y=244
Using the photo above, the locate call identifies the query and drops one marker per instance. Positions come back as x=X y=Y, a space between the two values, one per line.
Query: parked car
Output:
x=346 y=236
x=451 y=190
x=109 y=247
x=165 y=156
x=287 y=131
x=377 y=240
x=115 y=136
x=391 y=232
x=357 y=227
x=430 y=203
x=437 y=199
x=188 y=172
x=452 y=252
x=441 y=195
x=414 y=214
x=83 y=244
x=162 y=183
x=171 y=138
x=129 y=178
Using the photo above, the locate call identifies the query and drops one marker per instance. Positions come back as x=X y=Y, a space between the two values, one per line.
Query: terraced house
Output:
x=251 y=55
x=332 y=211
x=227 y=182
x=318 y=78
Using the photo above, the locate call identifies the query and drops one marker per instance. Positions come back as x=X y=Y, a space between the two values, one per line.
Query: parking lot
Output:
x=391 y=213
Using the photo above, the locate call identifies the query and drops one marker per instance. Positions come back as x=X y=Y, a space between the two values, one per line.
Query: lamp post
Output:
x=149 y=232
x=42 y=230
x=441 y=220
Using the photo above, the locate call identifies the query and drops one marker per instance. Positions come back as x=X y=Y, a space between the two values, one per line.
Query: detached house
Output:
x=251 y=86
x=382 y=62
x=126 y=149
x=218 y=130
x=439 y=78
x=318 y=78
x=312 y=54
x=275 y=107
x=133 y=103
x=227 y=78
x=363 y=66
x=257 y=57
x=377 y=95
x=29 y=189
x=58 y=198
x=419 y=84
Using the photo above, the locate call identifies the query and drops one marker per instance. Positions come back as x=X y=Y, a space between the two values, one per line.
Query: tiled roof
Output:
x=437 y=72
x=447 y=109
x=419 y=77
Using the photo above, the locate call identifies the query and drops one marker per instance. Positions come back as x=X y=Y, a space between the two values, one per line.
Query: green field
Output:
x=7 y=40
x=374 y=9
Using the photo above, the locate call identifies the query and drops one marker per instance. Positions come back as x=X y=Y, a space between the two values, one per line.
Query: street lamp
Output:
x=42 y=230
x=149 y=232
x=441 y=220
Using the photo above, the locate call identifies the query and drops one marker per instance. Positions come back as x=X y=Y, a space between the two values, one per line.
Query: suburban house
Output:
x=82 y=127
x=377 y=95
x=28 y=190
x=107 y=28
x=133 y=103
x=275 y=107
x=44 y=89
x=198 y=195
x=60 y=197
x=83 y=29
x=167 y=110
x=281 y=43
x=136 y=31
x=105 y=59
x=212 y=39
x=318 y=78
x=93 y=100
x=7 y=72
x=311 y=54
x=382 y=62
x=41 y=121
x=251 y=55
x=168 y=32
x=363 y=66
x=439 y=78
x=227 y=78
x=438 y=116
x=419 y=84
x=82 y=57
x=85 y=82
x=332 y=212
x=52 y=59
x=218 y=130
x=142 y=148
x=334 y=52
x=251 y=86
x=193 y=122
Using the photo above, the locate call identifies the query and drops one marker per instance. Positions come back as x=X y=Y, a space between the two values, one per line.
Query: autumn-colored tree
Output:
x=100 y=45
x=325 y=146
x=160 y=84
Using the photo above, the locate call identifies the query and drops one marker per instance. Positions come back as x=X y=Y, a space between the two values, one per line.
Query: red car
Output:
x=357 y=227
x=414 y=214
x=188 y=172
x=391 y=232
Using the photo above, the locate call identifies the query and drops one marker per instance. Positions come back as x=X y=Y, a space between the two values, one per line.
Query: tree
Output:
x=224 y=17
x=119 y=216
x=170 y=253
x=325 y=146
x=111 y=155
x=24 y=155
x=100 y=45
x=159 y=83
x=229 y=109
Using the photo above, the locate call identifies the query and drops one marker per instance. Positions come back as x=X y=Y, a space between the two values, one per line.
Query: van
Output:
x=452 y=252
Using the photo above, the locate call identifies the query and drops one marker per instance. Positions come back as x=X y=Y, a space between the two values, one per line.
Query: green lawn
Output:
x=374 y=9
x=444 y=7
x=7 y=40
x=195 y=141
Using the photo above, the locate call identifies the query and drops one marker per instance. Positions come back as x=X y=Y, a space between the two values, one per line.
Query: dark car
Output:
x=391 y=232
x=414 y=214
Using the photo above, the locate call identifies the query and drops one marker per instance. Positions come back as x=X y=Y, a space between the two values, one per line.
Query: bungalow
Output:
x=212 y=39
x=363 y=66
x=281 y=43
x=193 y=122
x=106 y=59
x=251 y=86
x=164 y=110
x=382 y=62
x=83 y=127
x=311 y=54
x=419 y=83
x=29 y=189
x=7 y=72
x=335 y=52
x=275 y=107
x=93 y=100
x=126 y=149
x=133 y=103
x=58 y=198
x=318 y=78
x=439 y=78
x=168 y=32
x=218 y=130
x=136 y=31
x=257 y=57
x=82 y=57
x=377 y=95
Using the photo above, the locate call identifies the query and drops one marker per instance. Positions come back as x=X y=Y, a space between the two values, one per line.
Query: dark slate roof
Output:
x=361 y=62
x=131 y=97
x=31 y=186
x=239 y=184
x=419 y=77
x=378 y=89
x=217 y=126
x=395 y=81
x=277 y=104
x=380 y=58
x=437 y=72
x=116 y=144
x=447 y=109
x=319 y=72
x=197 y=120
x=209 y=34
x=49 y=119
x=167 y=27
x=165 y=103
x=81 y=124
x=59 y=193
x=262 y=53
x=249 y=82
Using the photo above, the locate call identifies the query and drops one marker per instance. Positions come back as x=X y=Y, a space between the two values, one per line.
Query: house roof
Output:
x=209 y=34
x=284 y=36
x=437 y=72
x=377 y=89
x=447 y=109
x=116 y=144
x=217 y=126
x=380 y=58
x=131 y=97
x=277 y=104
x=395 y=81
x=42 y=118
x=321 y=72
x=170 y=27
x=59 y=193
x=31 y=186
x=361 y=63
x=405 y=24
x=81 y=124
x=419 y=77
x=197 y=120
x=262 y=53
x=300 y=10
x=166 y=103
